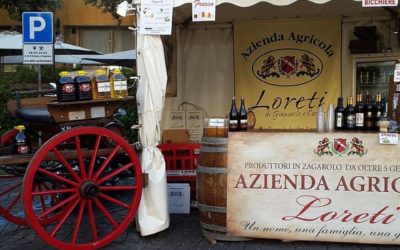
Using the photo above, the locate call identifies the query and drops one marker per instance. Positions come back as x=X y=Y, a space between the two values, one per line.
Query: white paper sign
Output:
x=38 y=54
x=203 y=10
x=156 y=17
x=379 y=3
x=388 y=138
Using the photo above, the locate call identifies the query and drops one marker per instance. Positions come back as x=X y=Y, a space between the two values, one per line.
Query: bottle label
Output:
x=339 y=120
x=369 y=114
x=233 y=124
x=85 y=87
x=120 y=85
x=243 y=124
x=359 y=119
x=103 y=86
x=23 y=149
x=68 y=88
x=351 y=121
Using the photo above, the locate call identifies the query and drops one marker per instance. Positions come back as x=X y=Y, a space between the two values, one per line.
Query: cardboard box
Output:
x=175 y=136
x=178 y=198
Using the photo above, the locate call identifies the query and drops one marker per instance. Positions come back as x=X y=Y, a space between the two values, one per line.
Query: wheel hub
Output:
x=89 y=190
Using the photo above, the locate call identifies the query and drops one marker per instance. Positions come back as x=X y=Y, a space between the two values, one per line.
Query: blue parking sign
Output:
x=37 y=27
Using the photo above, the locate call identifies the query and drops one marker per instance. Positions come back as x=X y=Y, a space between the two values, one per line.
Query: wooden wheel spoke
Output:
x=115 y=201
x=41 y=198
x=52 y=192
x=53 y=195
x=66 y=164
x=64 y=218
x=11 y=188
x=78 y=221
x=114 y=173
x=80 y=158
x=105 y=163
x=92 y=221
x=57 y=206
x=117 y=188
x=57 y=177
x=13 y=202
x=94 y=155
x=105 y=212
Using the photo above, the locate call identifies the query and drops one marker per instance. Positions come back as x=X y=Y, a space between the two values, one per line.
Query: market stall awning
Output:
x=125 y=58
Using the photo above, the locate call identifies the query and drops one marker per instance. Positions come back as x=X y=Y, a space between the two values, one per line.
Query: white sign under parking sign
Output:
x=38 y=54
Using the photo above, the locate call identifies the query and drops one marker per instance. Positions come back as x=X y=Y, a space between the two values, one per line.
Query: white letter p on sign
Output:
x=33 y=28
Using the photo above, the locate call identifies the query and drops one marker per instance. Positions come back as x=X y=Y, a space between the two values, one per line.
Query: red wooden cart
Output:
x=81 y=187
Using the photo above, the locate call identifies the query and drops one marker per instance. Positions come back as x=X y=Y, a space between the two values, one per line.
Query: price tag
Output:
x=388 y=138
x=216 y=122
x=76 y=115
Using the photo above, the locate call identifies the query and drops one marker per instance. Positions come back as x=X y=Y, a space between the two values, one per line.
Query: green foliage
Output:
x=23 y=74
x=107 y=6
x=15 y=8
x=128 y=120
x=6 y=122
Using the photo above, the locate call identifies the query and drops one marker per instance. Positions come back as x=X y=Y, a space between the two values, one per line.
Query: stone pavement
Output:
x=184 y=233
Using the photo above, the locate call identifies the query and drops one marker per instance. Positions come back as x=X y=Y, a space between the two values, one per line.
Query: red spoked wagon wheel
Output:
x=11 y=207
x=97 y=188
x=10 y=187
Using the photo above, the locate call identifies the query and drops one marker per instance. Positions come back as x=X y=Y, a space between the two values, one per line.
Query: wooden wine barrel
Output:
x=211 y=188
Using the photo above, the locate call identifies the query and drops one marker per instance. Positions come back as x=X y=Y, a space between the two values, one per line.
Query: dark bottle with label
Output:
x=83 y=86
x=368 y=114
x=233 y=117
x=66 y=88
x=377 y=111
x=349 y=115
x=359 y=111
x=242 y=116
x=339 y=115
x=20 y=144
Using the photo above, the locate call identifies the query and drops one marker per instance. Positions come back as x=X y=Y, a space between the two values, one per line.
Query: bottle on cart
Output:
x=368 y=114
x=101 y=85
x=339 y=115
x=20 y=143
x=66 y=87
x=242 y=116
x=83 y=86
x=349 y=115
x=233 y=117
x=377 y=111
x=359 y=111
x=119 y=84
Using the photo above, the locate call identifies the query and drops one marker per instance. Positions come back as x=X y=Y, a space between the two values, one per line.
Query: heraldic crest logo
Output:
x=298 y=66
x=340 y=147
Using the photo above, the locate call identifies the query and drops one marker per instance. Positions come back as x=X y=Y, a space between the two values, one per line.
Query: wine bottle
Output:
x=339 y=113
x=377 y=111
x=242 y=116
x=359 y=112
x=368 y=114
x=233 y=117
x=350 y=115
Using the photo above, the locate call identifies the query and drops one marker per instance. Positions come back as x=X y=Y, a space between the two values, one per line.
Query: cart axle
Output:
x=89 y=190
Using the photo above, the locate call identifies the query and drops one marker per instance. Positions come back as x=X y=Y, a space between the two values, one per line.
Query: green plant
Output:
x=6 y=121
x=128 y=120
